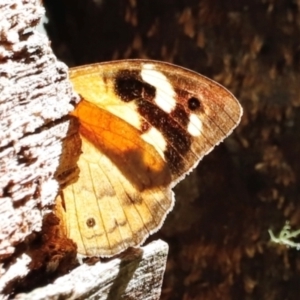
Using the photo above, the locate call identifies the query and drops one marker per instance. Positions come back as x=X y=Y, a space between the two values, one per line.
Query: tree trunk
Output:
x=39 y=148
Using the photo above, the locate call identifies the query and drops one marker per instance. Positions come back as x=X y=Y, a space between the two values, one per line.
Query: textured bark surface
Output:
x=36 y=136
x=136 y=274
x=219 y=243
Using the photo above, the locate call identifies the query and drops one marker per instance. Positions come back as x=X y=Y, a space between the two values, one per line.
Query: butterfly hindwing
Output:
x=144 y=125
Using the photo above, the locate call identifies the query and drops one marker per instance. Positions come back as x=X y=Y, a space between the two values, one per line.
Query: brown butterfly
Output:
x=144 y=125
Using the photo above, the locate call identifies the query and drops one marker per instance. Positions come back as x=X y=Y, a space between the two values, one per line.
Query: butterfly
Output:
x=144 y=126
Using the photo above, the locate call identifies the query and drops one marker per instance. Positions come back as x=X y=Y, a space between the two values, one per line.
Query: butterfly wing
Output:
x=144 y=126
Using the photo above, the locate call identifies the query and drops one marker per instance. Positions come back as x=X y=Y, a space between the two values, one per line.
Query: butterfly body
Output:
x=144 y=125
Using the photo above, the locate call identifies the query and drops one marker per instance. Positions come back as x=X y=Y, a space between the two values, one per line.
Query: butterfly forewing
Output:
x=183 y=114
x=145 y=124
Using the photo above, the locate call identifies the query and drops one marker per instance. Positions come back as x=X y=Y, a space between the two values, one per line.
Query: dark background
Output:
x=218 y=230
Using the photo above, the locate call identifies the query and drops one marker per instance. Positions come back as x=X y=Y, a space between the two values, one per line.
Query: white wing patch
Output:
x=195 y=125
x=156 y=139
x=165 y=94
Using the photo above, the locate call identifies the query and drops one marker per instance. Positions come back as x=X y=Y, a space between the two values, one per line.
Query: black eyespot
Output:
x=90 y=222
x=194 y=103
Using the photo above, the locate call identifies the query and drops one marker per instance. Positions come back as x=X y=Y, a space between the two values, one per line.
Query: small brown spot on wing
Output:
x=90 y=222
x=145 y=126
